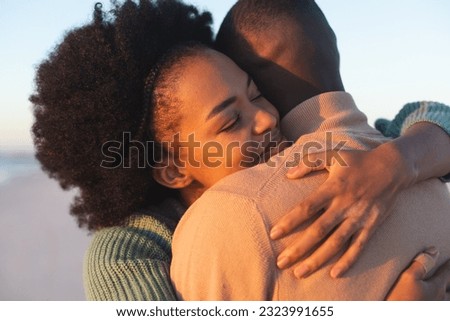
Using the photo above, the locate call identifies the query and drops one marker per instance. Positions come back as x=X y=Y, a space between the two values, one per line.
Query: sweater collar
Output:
x=314 y=113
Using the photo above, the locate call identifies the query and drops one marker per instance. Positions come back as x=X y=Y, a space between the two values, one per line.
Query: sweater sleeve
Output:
x=127 y=263
x=413 y=113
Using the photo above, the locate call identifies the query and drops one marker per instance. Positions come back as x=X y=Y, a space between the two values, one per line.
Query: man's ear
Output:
x=171 y=175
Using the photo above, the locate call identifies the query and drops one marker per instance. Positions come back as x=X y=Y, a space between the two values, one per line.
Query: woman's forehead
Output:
x=210 y=66
x=209 y=79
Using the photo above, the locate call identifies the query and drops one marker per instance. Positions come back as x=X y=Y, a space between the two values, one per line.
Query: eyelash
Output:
x=238 y=116
x=257 y=97
x=235 y=122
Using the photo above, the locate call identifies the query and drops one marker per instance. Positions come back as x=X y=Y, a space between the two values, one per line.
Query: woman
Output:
x=94 y=87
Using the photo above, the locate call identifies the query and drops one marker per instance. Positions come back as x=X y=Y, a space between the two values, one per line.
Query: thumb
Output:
x=306 y=166
x=423 y=264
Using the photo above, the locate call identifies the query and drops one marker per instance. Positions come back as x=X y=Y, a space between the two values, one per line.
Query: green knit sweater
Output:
x=132 y=262
x=413 y=113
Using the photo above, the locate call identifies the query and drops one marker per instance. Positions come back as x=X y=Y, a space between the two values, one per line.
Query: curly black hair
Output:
x=90 y=90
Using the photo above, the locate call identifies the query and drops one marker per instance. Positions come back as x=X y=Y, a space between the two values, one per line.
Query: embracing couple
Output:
x=247 y=226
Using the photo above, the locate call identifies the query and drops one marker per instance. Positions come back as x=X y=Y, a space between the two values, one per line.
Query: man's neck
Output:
x=304 y=93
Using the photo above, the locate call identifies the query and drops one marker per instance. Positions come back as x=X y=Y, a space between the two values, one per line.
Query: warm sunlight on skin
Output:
x=223 y=110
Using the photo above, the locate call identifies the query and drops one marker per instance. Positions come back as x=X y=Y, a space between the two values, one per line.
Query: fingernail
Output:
x=292 y=171
x=433 y=251
x=336 y=272
x=301 y=271
x=282 y=262
x=290 y=174
x=275 y=233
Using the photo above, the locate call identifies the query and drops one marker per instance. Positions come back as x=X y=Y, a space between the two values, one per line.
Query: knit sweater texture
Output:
x=131 y=262
x=413 y=113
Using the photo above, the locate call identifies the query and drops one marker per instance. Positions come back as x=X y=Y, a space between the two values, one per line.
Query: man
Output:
x=295 y=62
x=295 y=59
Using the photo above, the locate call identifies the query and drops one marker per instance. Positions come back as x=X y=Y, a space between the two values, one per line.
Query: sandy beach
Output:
x=41 y=246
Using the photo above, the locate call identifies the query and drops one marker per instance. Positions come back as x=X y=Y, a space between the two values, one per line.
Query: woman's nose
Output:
x=264 y=122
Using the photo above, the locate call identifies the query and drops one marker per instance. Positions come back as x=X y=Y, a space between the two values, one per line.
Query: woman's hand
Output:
x=415 y=284
x=355 y=199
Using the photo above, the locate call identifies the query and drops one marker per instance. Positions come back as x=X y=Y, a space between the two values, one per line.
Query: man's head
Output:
x=287 y=46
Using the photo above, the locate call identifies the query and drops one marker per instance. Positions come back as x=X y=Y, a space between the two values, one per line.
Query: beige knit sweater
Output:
x=221 y=247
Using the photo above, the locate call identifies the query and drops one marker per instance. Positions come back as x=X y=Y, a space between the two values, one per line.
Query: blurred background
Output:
x=392 y=52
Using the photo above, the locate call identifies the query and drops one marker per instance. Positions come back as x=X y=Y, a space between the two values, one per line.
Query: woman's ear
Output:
x=171 y=175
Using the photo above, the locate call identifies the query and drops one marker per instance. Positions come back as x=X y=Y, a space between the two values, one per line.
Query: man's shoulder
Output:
x=220 y=203
x=250 y=182
x=244 y=192
x=215 y=212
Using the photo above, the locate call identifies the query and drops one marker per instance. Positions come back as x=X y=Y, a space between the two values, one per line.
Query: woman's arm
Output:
x=425 y=149
x=355 y=199
x=130 y=262
x=424 y=154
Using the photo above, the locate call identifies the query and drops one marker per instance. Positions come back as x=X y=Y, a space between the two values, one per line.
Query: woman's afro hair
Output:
x=90 y=90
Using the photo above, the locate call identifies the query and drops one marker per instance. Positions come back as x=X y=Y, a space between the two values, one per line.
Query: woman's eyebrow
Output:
x=220 y=107
x=227 y=102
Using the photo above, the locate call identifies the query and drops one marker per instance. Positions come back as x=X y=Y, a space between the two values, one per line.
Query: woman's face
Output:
x=226 y=124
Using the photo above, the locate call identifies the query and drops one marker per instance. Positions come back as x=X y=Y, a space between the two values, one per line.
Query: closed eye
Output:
x=229 y=126
x=256 y=97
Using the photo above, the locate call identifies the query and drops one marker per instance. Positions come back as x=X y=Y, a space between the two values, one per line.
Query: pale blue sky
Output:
x=392 y=52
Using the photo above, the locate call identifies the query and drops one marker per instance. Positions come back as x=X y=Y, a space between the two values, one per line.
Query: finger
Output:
x=305 y=167
x=336 y=241
x=350 y=256
x=368 y=218
x=309 y=238
x=299 y=171
x=423 y=264
x=308 y=208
